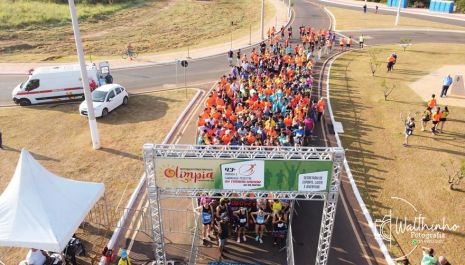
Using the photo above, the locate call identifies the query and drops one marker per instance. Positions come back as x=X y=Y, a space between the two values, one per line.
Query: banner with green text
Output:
x=269 y=175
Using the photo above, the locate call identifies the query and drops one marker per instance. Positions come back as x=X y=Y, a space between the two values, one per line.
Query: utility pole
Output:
x=398 y=13
x=263 y=20
x=85 y=80
x=232 y=24
x=250 y=34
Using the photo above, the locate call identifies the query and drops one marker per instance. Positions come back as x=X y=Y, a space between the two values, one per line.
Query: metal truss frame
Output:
x=154 y=151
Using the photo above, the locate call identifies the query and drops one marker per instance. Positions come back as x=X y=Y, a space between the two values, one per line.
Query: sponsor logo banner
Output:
x=235 y=174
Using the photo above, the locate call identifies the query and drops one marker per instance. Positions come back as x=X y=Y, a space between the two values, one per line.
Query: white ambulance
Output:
x=59 y=83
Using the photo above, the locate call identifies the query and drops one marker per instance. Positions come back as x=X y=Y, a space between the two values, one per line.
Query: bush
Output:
x=460 y=4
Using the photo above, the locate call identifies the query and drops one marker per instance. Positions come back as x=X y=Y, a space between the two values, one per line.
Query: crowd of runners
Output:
x=221 y=218
x=266 y=98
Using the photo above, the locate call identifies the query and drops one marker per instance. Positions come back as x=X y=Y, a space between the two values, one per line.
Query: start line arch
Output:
x=296 y=173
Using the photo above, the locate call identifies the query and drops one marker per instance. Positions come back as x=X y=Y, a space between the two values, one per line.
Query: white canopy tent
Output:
x=41 y=210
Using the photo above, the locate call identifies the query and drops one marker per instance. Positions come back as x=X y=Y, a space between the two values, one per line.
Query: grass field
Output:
x=59 y=138
x=373 y=136
x=152 y=27
x=16 y=14
x=351 y=19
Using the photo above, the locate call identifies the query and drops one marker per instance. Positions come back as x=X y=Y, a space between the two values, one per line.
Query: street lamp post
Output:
x=398 y=13
x=85 y=80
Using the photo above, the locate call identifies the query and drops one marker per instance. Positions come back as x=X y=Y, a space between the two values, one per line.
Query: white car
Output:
x=105 y=99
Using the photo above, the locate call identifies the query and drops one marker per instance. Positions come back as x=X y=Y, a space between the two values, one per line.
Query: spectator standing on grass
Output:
x=443 y=118
x=390 y=63
x=428 y=256
x=376 y=9
x=1 y=142
x=445 y=85
x=426 y=117
x=394 y=55
x=361 y=40
x=409 y=126
x=364 y=8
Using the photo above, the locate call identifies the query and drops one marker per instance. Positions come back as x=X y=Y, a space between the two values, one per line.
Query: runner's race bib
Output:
x=242 y=220
x=206 y=217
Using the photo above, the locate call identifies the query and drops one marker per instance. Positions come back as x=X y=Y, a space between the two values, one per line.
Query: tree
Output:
x=374 y=61
x=454 y=175
x=387 y=89
x=405 y=43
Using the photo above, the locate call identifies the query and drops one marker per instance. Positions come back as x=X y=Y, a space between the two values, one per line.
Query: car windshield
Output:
x=23 y=84
x=98 y=96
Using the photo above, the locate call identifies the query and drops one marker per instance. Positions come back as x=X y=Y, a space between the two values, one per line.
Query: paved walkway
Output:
x=280 y=19
x=432 y=84
x=410 y=10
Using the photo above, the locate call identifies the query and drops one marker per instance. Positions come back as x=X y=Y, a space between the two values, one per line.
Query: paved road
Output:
x=208 y=69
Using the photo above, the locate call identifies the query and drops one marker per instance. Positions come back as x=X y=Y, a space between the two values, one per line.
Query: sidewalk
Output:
x=280 y=19
x=382 y=6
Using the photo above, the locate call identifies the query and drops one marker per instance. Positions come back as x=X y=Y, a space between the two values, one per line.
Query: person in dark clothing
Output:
x=364 y=8
x=223 y=233
x=1 y=143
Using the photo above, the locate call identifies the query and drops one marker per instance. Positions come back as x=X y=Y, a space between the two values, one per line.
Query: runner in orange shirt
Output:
x=321 y=108
x=432 y=102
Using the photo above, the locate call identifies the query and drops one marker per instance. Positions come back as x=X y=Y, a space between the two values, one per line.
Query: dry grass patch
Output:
x=374 y=133
x=59 y=138
x=151 y=27
x=351 y=19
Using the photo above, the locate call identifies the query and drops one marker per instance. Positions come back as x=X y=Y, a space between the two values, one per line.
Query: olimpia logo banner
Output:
x=272 y=175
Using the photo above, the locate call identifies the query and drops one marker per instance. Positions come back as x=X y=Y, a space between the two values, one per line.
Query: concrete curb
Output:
x=393 y=10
